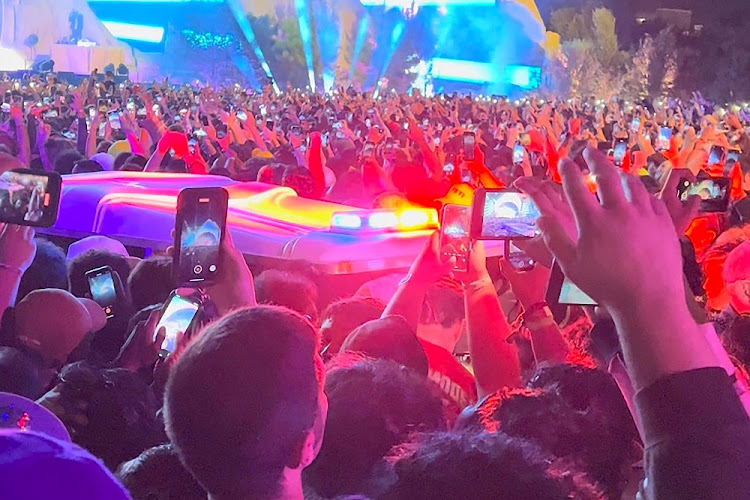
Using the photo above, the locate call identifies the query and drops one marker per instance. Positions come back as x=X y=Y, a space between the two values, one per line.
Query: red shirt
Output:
x=455 y=382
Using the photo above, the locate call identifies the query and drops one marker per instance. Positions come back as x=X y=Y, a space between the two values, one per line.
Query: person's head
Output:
x=135 y=163
x=19 y=374
x=48 y=270
x=299 y=179
x=157 y=474
x=121 y=159
x=389 y=338
x=602 y=445
x=373 y=405
x=86 y=166
x=247 y=394
x=151 y=282
x=52 y=323
x=55 y=146
x=93 y=259
x=66 y=160
x=292 y=290
x=340 y=319
x=176 y=166
x=9 y=162
x=443 y=318
x=736 y=275
x=110 y=412
x=713 y=265
x=453 y=466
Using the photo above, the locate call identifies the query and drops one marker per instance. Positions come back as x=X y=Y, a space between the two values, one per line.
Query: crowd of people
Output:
x=429 y=383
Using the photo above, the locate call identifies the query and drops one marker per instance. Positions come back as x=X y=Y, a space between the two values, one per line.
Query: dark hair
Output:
x=103 y=146
x=176 y=166
x=284 y=288
x=92 y=259
x=55 y=146
x=151 y=282
x=19 y=374
x=443 y=304
x=457 y=466
x=86 y=166
x=600 y=444
x=345 y=316
x=373 y=405
x=48 y=270
x=244 y=395
x=135 y=161
x=220 y=171
x=157 y=474
x=253 y=166
x=66 y=160
x=121 y=159
x=737 y=339
x=119 y=409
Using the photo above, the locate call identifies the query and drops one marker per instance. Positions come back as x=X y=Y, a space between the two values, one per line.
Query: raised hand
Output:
x=682 y=213
x=17 y=247
x=627 y=250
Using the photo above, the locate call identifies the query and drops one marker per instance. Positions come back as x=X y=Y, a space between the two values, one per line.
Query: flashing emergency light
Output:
x=384 y=221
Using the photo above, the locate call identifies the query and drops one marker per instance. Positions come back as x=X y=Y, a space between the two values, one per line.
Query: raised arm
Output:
x=17 y=251
x=494 y=359
x=22 y=134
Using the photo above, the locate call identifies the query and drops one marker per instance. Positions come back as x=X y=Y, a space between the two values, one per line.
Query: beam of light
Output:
x=526 y=77
x=135 y=32
x=244 y=23
x=361 y=35
x=155 y=1
x=388 y=4
x=396 y=34
x=305 y=34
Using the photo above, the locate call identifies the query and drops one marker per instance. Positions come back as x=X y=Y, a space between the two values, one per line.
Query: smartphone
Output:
x=29 y=198
x=177 y=317
x=517 y=259
x=5 y=108
x=665 y=135
x=621 y=147
x=241 y=115
x=563 y=291
x=114 y=120
x=369 y=150
x=716 y=156
x=714 y=193
x=500 y=214
x=636 y=124
x=296 y=130
x=200 y=225
x=199 y=133
x=518 y=152
x=733 y=155
x=469 y=142
x=324 y=140
x=269 y=124
x=103 y=106
x=102 y=288
x=455 y=235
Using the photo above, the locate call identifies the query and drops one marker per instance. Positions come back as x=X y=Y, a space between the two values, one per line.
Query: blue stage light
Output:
x=425 y=3
x=361 y=35
x=303 y=18
x=135 y=32
x=244 y=23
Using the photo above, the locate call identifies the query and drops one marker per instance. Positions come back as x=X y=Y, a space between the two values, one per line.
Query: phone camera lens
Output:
x=198 y=269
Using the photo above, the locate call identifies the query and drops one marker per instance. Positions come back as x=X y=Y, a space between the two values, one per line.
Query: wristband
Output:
x=6 y=267
x=534 y=310
x=478 y=284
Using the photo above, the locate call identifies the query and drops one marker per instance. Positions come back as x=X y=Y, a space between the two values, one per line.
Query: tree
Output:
x=605 y=36
x=572 y=24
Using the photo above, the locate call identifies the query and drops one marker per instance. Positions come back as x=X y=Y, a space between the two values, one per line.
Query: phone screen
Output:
x=733 y=156
x=102 y=288
x=455 y=237
x=619 y=154
x=29 y=199
x=518 y=152
x=200 y=223
x=508 y=215
x=517 y=259
x=571 y=294
x=176 y=319
x=714 y=193
x=114 y=120
x=665 y=134
x=369 y=150
x=469 y=141
x=716 y=155
x=636 y=124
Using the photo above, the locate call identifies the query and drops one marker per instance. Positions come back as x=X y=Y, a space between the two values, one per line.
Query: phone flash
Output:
x=203 y=200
